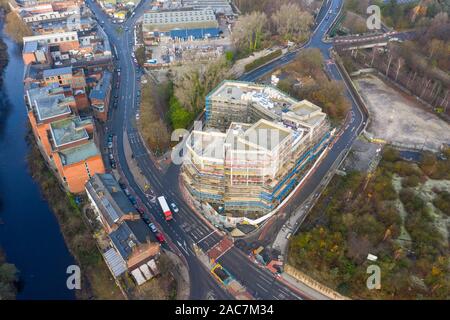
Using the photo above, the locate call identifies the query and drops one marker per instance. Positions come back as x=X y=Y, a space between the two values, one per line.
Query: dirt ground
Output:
x=399 y=119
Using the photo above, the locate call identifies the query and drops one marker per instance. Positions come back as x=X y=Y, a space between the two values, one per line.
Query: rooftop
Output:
x=50 y=106
x=101 y=89
x=264 y=96
x=109 y=197
x=69 y=130
x=30 y=47
x=79 y=153
x=129 y=235
x=56 y=72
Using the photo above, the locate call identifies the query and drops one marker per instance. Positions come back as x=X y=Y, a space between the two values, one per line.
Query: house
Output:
x=130 y=247
x=100 y=96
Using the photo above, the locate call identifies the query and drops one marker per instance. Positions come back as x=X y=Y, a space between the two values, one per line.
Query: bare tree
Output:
x=249 y=31
x=291 y=22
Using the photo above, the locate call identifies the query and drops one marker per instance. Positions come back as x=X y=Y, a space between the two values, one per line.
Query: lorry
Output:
x=165 y=208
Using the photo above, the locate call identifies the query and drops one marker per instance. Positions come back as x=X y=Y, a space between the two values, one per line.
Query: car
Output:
x=140 y=210
x=160 y=237
x=138 y=116
x=110 y=145
x=153 y=227
x=126 y=191
x=111 y=156
x=132 y=200
x=146 y=220
x=110 y=137
x=174 y=207
x=122 y=185
x=113 y=164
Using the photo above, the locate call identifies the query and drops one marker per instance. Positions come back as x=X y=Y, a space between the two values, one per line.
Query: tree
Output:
x=291 y=22
x=249 y=31
x=16 y=28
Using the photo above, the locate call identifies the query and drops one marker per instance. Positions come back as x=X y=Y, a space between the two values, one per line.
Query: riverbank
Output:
x=97 y=282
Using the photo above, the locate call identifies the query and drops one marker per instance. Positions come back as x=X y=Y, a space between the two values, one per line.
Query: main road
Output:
x=187 y=228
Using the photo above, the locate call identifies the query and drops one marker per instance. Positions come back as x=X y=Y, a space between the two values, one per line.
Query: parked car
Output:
x=127 y=192
x=160 y=237
x=122 y=185
x=140 y=210
x=153 y=228
x=146 y=220
x=132 y=200
x=110 y=144
x=113 y=164
x=174 y=207
x=111 y=156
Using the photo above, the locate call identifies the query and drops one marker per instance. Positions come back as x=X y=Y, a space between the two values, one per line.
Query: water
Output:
x=30 y=235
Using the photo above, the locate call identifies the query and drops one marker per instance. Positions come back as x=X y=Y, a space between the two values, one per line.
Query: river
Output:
x=30 y=234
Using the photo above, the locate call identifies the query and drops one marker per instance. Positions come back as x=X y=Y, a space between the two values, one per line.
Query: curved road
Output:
x=188 y=228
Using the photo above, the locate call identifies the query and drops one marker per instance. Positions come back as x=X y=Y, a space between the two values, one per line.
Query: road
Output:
x=187 y=228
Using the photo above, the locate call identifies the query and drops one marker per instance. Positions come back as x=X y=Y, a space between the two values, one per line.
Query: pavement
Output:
x=187 y=229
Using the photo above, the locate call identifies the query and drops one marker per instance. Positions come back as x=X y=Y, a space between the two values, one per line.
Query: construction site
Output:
x=257 y=147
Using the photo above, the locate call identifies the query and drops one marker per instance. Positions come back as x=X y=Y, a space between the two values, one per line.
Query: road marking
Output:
x=262 y=288
x=228 y=249
x=206 y=236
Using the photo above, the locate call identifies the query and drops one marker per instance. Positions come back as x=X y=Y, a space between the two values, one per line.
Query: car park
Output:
x=174 y=207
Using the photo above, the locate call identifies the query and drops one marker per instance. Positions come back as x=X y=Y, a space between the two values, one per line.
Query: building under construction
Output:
x=263 y=142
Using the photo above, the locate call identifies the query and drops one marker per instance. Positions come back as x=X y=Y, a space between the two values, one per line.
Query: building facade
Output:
x=262 y=143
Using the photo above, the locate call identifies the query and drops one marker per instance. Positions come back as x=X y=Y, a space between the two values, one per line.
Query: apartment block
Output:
x=263 y=142
x=66 y=140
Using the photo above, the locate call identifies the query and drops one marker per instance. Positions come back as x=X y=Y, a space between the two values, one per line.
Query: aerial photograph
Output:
x=224 y=156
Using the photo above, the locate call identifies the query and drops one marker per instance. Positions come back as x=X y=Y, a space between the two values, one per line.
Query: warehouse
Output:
x=166 y=21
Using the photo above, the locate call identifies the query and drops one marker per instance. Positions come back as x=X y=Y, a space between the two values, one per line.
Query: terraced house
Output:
x=264 y=142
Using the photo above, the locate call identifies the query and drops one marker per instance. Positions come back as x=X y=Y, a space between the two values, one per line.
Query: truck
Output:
x=165 y=208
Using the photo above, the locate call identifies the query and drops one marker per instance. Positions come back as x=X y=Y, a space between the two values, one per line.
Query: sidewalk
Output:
x=299 y=286
x=181 y=274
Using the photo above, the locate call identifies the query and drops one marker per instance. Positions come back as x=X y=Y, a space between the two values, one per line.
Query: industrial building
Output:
x=182 y=23
x=263 y=142
x=218 y=6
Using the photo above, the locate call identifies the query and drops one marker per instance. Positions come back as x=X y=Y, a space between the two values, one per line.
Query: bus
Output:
x=165 y=208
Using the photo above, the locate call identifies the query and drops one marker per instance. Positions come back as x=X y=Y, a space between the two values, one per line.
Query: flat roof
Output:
x=265 y=96
x=30 y=47
x=51 y=106
x=69 y=130
x=79 y=153
x=56 y=72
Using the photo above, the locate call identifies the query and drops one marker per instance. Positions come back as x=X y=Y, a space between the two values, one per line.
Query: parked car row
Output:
x=112 y=161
